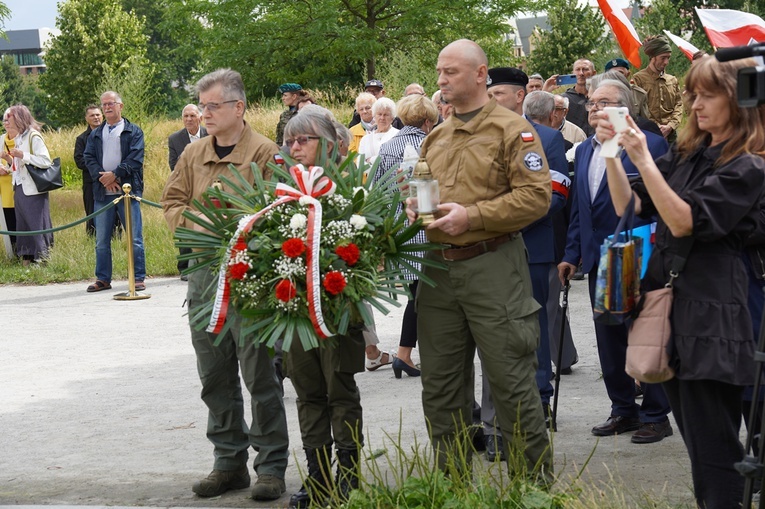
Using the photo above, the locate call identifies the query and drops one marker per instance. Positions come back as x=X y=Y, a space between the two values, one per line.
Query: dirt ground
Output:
x=100 y=406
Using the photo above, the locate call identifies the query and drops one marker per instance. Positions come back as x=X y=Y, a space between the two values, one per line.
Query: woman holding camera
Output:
x=706 y=191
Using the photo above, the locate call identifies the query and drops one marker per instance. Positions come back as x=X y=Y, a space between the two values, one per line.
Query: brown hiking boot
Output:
x=268 y=487
x=220 y=481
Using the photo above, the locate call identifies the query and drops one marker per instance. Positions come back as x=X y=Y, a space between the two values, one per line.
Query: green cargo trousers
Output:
x=218 y=368
x=328 y=399
x=483 y=302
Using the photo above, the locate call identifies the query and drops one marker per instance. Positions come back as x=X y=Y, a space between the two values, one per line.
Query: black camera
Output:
x=751 y=80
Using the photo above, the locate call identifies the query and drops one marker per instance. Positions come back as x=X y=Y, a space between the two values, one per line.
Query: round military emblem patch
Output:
x=533 y=161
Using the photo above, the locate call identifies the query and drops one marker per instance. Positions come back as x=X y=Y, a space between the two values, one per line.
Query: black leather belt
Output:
x=460 y=253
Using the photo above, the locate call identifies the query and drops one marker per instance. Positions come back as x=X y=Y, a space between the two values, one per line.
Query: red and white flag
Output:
x=623 y=30
x=686 y=47
x=726 y=28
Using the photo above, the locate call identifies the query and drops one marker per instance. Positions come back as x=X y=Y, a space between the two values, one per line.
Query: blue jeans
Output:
x=104 y=226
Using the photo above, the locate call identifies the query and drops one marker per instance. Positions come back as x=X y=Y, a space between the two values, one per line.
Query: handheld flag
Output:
x=625 y=33
x=726 y=28
x=686 y=47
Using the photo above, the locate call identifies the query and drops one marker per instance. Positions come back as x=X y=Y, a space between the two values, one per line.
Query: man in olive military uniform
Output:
x=290 y=94
x=665 y=99
x=231 y=141
x=493 y=181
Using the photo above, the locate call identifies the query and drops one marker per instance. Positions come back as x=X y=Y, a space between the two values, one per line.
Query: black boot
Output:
x=317 y=486
x=347 y=478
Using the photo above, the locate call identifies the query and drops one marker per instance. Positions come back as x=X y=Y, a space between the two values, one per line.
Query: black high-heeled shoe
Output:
x=399 y=366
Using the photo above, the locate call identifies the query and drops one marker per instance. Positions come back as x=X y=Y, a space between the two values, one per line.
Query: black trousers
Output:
x=88 y=201
x=708 y=414
x=409 y=322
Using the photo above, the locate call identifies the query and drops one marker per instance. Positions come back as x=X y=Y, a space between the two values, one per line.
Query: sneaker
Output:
x=221 y=481
x=268 y=487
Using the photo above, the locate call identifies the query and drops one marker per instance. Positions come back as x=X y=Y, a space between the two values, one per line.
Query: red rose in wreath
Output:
x=285 y=290
x=293 y=248
x=238 y=270
x=349 y=254
x=334 y=282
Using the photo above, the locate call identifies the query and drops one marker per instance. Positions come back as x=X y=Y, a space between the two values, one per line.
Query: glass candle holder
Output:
x=424 y=189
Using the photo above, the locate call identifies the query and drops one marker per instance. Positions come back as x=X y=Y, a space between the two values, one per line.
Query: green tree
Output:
x=17 y=89
x=174 y=48
x=338 y=42
x=577 y=32
x=97 y=38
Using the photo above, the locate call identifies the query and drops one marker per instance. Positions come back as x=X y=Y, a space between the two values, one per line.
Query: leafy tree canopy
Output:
x=97 y=38
x=338 y=42
x=577 y=32
x=173 y=48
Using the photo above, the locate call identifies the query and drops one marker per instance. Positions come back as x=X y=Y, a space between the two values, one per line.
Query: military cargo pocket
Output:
x=523 y=327
x=350 y=351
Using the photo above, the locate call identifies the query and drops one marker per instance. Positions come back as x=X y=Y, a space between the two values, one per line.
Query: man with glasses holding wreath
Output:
x=230 y=141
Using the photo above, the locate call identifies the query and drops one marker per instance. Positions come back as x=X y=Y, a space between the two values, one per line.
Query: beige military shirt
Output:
x=665 y=100
x=199 y=166
x=495 y=167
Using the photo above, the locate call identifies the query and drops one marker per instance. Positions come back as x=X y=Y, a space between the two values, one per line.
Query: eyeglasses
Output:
x=302 y=140
x=589 y=105
x=109 y=104
x=213 y=107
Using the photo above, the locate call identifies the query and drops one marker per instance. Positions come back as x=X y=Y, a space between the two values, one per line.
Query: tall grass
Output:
x=73 y=255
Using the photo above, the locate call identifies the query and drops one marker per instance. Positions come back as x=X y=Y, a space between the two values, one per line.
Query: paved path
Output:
x=100 y=405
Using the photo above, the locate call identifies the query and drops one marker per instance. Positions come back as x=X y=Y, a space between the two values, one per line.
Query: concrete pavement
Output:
x=100 y=405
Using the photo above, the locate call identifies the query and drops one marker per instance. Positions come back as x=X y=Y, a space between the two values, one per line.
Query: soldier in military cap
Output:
x=507 y=86
x=291 y=95
x=665 y=100
x=639 y=95
x=493 y=181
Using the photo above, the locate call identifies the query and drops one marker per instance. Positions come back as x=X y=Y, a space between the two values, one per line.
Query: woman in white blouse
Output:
x=21 y=145
x=384 y=111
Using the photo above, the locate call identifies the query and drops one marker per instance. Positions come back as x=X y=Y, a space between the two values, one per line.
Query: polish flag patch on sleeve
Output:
x=278 y=159
x=527 y=136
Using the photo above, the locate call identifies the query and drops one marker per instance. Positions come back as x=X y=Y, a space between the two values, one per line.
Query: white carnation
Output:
x=298 y=221
x=358 y=222
x=571 y=153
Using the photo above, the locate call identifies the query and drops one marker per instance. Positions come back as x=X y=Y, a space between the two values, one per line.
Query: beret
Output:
x=507 y=76
x=656 y=46
x=617 y=62
x=289 y=87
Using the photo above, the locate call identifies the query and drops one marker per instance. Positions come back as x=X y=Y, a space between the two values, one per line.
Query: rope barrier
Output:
x=80 y=221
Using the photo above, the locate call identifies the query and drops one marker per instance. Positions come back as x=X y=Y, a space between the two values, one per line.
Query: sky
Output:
x=27 y=14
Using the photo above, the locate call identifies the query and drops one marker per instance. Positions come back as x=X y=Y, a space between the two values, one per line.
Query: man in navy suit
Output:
x=593 y=218
x=176 y=143
x=508 y=88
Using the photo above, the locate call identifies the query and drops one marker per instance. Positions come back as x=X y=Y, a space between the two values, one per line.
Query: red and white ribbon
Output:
x=310 y=185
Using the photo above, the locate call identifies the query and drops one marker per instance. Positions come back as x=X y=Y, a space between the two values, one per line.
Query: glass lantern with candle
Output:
x=424 y=189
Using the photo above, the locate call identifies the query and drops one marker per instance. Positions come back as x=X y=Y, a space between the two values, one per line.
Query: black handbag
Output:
x=46 y=179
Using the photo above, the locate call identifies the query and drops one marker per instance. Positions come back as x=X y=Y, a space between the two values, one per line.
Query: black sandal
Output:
x=98 y=286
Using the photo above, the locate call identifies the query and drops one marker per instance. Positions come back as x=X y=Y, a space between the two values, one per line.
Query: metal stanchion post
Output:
x=130 y=294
